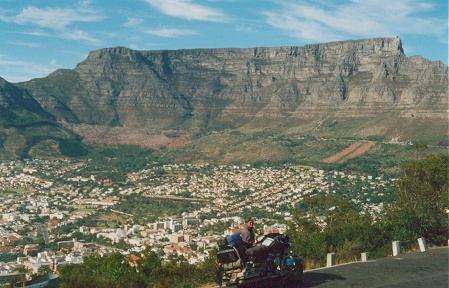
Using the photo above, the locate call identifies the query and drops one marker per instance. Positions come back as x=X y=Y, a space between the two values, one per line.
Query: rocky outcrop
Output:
x=213 y=89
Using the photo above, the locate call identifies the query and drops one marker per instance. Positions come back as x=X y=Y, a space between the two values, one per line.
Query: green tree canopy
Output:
x=424 y=183
x=421 y=201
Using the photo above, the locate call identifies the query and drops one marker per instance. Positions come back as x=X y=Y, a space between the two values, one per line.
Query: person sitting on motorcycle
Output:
x=247 y=233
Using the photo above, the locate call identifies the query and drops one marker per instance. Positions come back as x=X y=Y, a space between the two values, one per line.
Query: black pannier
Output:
x=228 y=258
x=227 y=255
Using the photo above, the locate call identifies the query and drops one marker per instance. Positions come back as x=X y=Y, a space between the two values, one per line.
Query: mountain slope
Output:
x=17 y=107
x=352 y=89
x=24 y=123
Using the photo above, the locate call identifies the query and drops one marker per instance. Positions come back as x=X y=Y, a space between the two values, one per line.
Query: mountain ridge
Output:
x=120 y=95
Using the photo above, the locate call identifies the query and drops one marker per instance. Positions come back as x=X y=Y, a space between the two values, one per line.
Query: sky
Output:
x=38 y=37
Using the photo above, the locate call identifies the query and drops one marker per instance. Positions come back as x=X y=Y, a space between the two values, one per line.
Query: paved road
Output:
x=415 y=270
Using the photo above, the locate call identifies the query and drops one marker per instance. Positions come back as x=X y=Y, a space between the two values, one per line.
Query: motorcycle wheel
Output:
x=299 y=266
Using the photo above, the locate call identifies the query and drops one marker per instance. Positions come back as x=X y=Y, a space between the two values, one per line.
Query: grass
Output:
x=18 y=191
x=83 y=210
x=111 y=219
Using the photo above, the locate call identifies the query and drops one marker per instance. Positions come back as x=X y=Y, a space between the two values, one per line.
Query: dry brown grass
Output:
x=311 y=264
x=350 y=252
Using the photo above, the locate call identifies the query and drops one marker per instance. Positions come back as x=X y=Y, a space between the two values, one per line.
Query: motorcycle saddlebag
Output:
x=228 y=259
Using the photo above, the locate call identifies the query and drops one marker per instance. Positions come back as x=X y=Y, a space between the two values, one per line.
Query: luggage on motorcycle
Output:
x=235 y=239
x=276 y=243
x=222 y=242
x=229 y=259
x=257 y=253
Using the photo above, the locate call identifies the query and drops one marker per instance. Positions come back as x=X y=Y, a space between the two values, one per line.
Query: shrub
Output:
x=349 y=252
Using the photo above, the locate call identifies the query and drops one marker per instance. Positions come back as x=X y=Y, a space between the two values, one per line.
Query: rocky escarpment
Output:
x=118 y=90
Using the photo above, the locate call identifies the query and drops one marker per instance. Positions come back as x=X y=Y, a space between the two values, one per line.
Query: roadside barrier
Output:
x=330 y=260
x=396 y=245
x=396 y=248
x=422 y=244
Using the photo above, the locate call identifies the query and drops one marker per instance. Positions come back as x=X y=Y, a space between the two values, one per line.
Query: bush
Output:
x=349 y=252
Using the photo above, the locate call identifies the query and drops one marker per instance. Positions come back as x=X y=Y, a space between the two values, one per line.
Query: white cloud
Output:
x=26 y=44
x=55 y=18
x=78 y=35
x=132 y=22
x=187 y=10
x=244 y=29
x=37 y=32
x=85 y=2
x=168 y=32
x=320 y=21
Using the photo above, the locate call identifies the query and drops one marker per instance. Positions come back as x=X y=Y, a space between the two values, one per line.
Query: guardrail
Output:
x=396 y=247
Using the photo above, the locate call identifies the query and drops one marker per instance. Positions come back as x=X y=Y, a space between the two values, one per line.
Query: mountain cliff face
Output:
x=122 y=95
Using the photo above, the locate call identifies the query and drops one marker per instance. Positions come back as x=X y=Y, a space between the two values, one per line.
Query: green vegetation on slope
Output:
x=115 y=271
x=418 y=210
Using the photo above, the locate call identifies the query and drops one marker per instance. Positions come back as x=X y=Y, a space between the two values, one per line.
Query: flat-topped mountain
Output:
x=353 y=89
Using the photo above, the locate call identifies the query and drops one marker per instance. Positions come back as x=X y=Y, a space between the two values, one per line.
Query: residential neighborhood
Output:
x=41 y=202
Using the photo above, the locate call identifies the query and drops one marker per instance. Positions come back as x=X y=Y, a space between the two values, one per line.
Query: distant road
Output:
x=415 y=270
x=176 y=198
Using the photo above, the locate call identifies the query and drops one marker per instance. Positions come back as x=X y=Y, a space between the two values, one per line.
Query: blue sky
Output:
x=40 y=36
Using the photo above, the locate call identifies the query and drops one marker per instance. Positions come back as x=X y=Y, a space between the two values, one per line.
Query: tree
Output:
x=307 y=239
x=424 y=183
x=148 y=261
x=421 y=201
x=344 y=211
x=345 y=231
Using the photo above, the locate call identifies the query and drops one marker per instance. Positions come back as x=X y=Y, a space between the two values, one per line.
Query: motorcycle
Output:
x=270 y=259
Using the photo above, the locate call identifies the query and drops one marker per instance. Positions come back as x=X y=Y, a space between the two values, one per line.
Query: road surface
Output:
x=420 y=269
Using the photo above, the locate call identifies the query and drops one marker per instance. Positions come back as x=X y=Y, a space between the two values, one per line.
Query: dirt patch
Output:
x=354 y=150
x=359 y=151
x=100 y=135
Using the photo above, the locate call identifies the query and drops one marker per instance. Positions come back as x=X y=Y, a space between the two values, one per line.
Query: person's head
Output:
x=249 y=222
